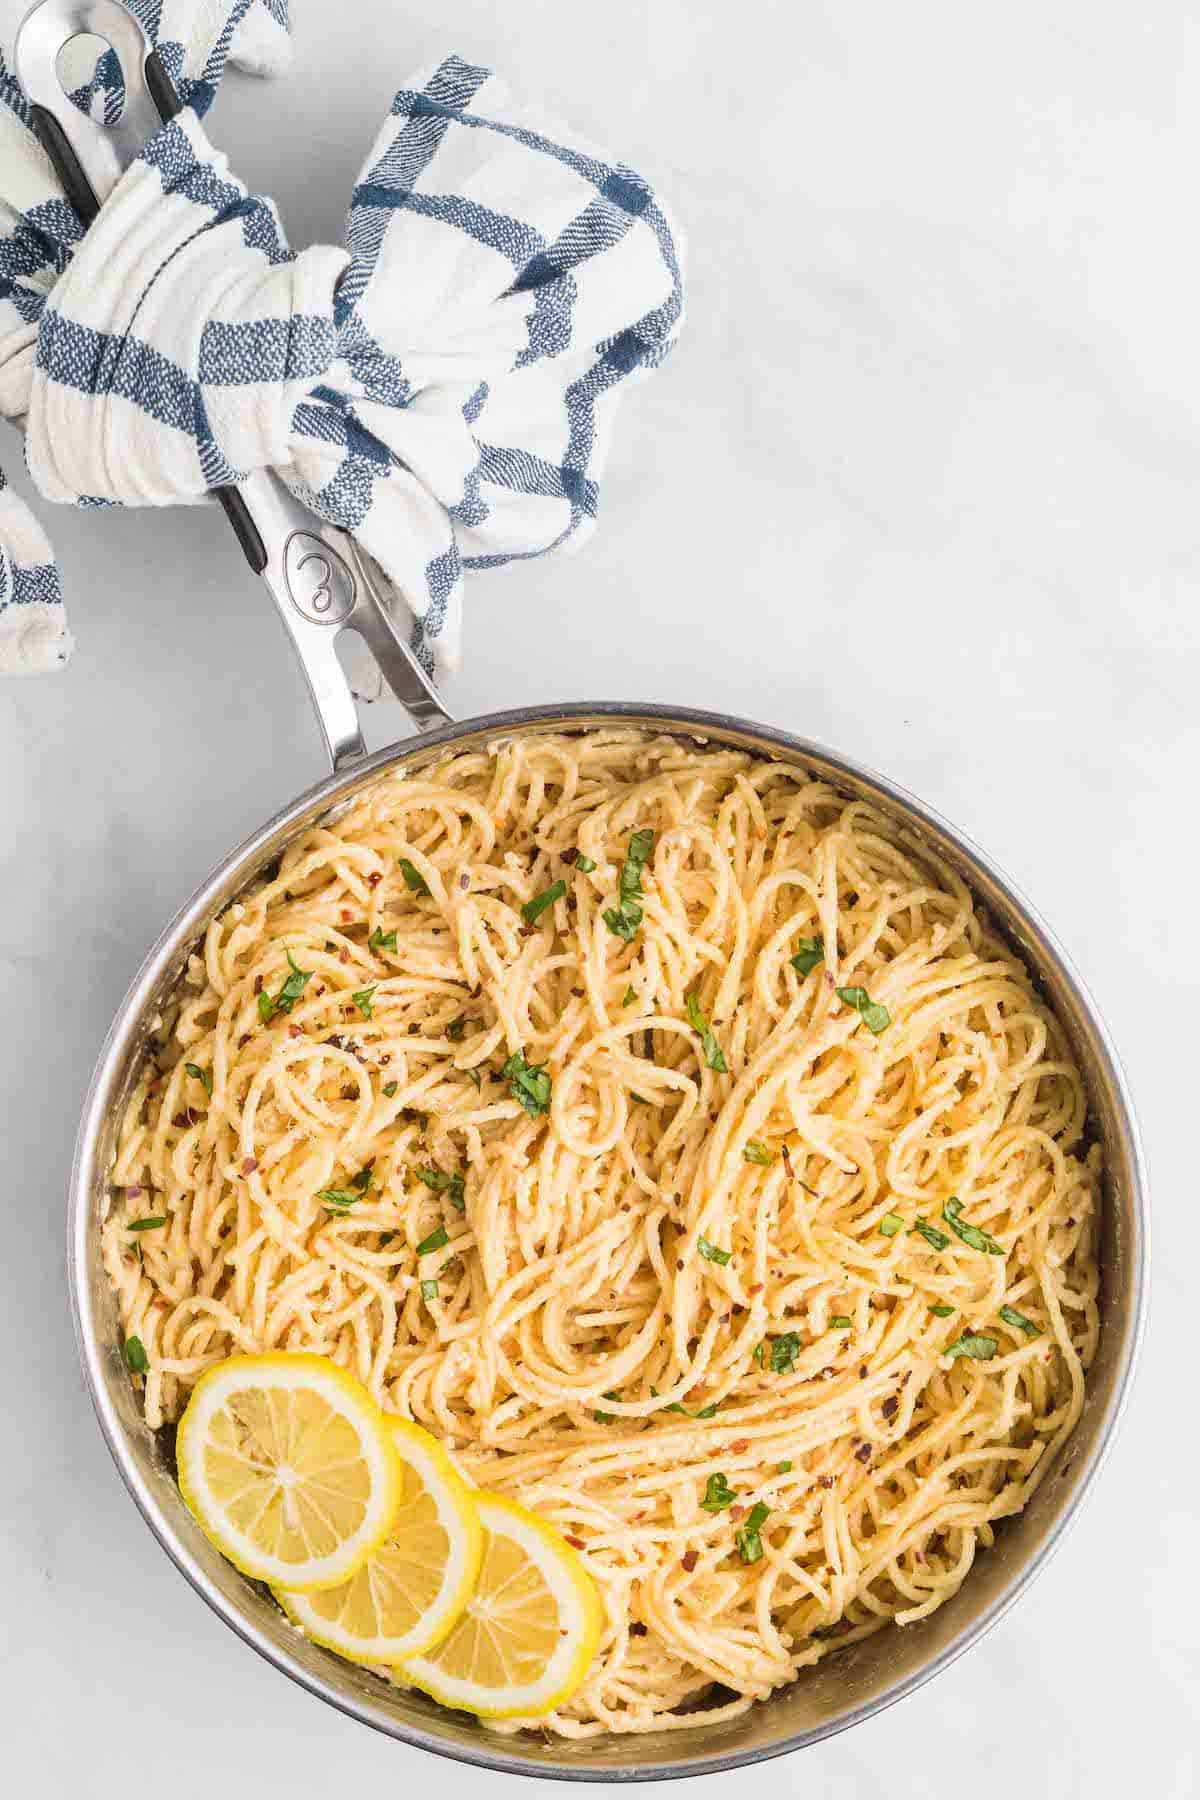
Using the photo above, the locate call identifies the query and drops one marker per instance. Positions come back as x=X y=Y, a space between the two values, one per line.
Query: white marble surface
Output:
x=921 y=482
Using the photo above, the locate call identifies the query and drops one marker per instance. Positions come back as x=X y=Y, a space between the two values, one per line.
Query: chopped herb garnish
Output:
x=710 y=1253
x=202 y=1076
x=970 y=1234
x=810 y=953
x=450 y=1185
x=755 y=1152
x=784 y=1351
x=529 y=1083
x=783 y=1468
x=628 y=997
x=943 y=1312
x=533 y=909
x=624 y=918
x=381 y=940
x=976 y=1345
x=429 y=1290
x=606 y=1418
x=759 y=1352
x=474 y=1077
x=876 y=1018
x=288 y=994
x=391 y=1089
x=584 y=864
x=747 y=1537
x=890 y=1224
x=718 y=1494
x=704 y=1412
x=435 y=1241
x=712 y=1050
x=841 y=1322
x=456 y=1027
x=363 y=999
x=1011 y=1316
x=135 y=1356
x=339 y=1200
x=413 y=877
x=161 y=1219
x=362 y=1181
x=931 y=1234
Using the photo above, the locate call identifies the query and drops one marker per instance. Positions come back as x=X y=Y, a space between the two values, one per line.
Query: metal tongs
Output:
x=319 y=579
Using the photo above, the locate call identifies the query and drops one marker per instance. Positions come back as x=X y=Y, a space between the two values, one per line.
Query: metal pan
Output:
x=321 y=586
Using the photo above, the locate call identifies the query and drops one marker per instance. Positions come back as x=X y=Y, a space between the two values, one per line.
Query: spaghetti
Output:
x=671 y=1137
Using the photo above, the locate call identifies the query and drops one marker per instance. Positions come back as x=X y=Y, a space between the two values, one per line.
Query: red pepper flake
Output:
x=249 y=1164
x=737 y=1512
x=787 y=1162
x=258 y=984
x=243 y=1040
x=862 y=1371
x=180 y=1121
x=375 y=879
x=464 y=882
x=343 y=956
x=679 y=1262
x=890 y=1407
x=690 y=1559
x=863 y=1453
x=756 y=1289
x=637 y=1629
x=576 y=1542
x=295 y=1031
x=739 y=1444
x=825 y=1481
x=347 y=915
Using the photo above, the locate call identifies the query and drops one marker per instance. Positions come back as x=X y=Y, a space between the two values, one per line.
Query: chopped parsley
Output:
x=759 y=1351
x=876 y=1018
x=202 y=1076
x=810 y=953
x=718 y=1494
x=529 y=1083
x=342 y=1199
x=413 y=878
x=712 y=1050
x=841 y=1322
x=783 y=1468
x=381 y=940
x=474 y=1077
x=364 y=999
x=288 y=994
x=606 y=1418
x=784 y=1351
x=931 y=1234
x=533 y=909
x=624 y=918
x=391 y=1089
x=891 y=1224
x=747 y=1537
x=942 y=1312
x=628 y=997
x=583 y=863
x=704 y=1412
x=970 y=1234
x=710 y=1252
x=456 y=1027
x=757 y=1153
x=977 y=1345
x=429 y=1290
x=1011 y=1316
x=441 y=1183
x=161 y=1219
x=135 y=1356
x=435 y=1241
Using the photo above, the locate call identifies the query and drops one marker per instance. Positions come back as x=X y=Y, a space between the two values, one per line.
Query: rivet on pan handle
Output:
x=320 y=581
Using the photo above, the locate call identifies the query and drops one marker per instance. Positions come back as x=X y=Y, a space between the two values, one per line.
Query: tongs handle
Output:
x=320 y=580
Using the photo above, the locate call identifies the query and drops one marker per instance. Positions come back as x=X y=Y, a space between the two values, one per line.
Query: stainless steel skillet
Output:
x=321 y=585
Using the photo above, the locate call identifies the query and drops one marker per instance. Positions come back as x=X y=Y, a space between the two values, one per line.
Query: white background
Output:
x=921 y=481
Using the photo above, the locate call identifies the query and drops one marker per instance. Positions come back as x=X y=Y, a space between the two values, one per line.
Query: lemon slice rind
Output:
x=579 y=1619
x=456 y=1513
x=288 y=1372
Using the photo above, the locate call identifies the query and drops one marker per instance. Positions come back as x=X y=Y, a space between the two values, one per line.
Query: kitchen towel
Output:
x=442 y=385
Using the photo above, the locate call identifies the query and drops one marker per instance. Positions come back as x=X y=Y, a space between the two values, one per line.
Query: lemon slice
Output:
x=530 y=1629
x=409 y=1592
x=287 y=1464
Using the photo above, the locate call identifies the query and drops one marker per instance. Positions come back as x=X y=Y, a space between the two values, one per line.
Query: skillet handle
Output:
x=321 y=582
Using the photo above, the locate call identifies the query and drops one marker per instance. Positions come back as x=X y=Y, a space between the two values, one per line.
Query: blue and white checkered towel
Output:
x=443 y=386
